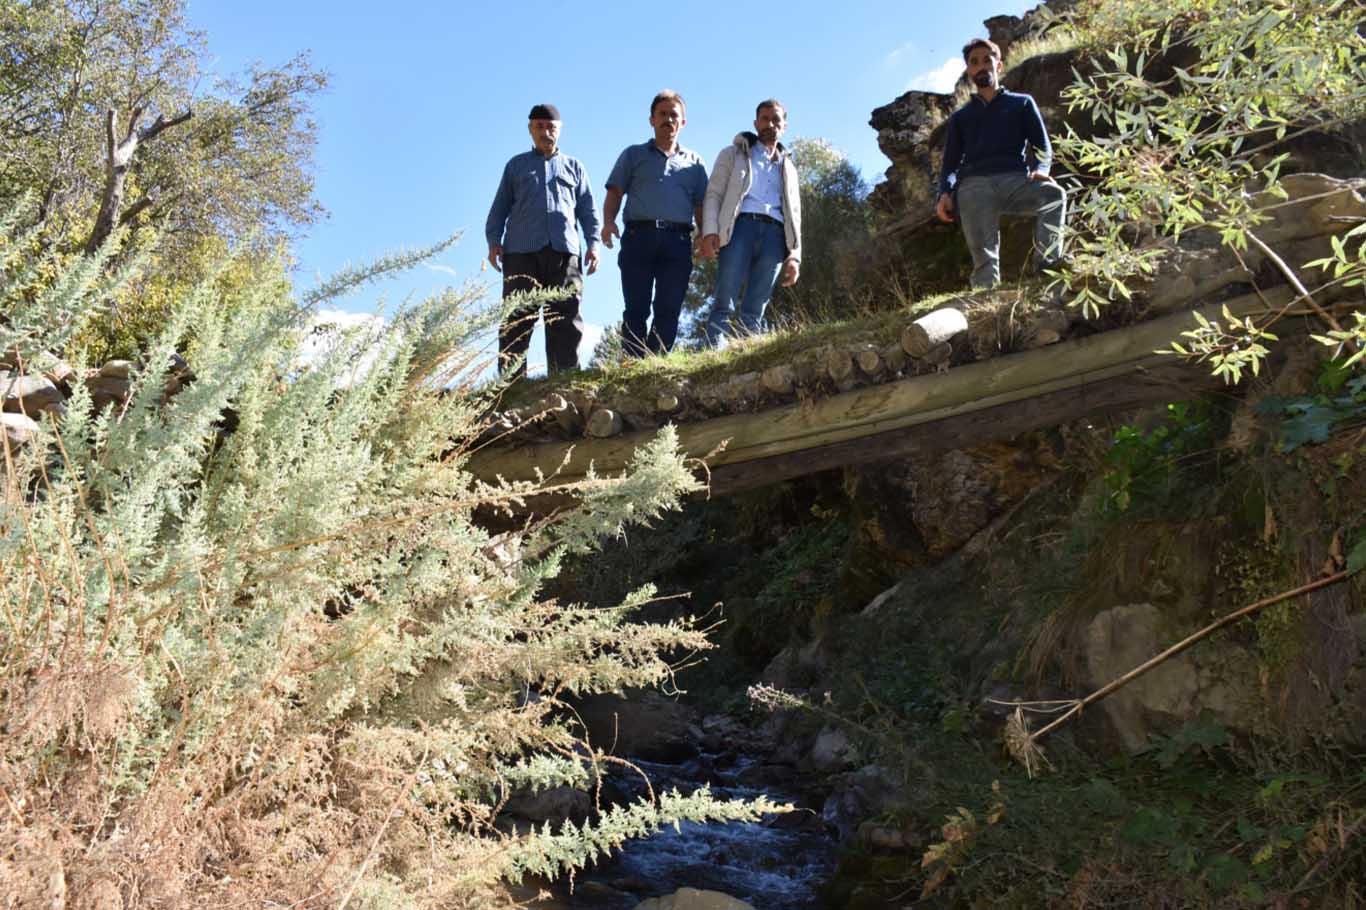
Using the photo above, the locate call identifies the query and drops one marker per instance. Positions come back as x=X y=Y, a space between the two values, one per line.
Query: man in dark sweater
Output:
x=987 y=171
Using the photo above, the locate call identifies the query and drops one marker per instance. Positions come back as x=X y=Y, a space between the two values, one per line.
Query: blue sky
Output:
x=428 y=100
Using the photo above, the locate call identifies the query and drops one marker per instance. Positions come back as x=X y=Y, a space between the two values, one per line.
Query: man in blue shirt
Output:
x=532 y=229
x=664 y=185
x=986 y=167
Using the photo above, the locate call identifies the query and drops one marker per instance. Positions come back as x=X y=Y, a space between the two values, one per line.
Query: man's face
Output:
x=984 y=68
x=667 y=119
x=545 y=135
x=770 y=124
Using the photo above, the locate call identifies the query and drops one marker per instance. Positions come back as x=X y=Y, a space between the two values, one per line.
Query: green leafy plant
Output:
x=1140 y=463
x=1312 y=419
x=1195 y=105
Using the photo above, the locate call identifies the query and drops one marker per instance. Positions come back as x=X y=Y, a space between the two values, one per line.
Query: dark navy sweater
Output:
x=993 y=138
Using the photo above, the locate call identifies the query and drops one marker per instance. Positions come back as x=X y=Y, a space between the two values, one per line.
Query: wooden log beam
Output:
x=1169 y=382
x=1064 y=376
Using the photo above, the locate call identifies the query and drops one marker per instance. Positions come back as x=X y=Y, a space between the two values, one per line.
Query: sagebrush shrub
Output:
x=256 y=648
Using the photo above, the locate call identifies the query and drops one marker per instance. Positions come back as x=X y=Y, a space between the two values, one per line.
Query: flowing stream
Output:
x=778 y=865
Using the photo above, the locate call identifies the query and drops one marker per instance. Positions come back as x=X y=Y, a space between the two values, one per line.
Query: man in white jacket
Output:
x=752 y=223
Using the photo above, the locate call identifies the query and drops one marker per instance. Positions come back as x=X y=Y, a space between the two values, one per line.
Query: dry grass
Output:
x=1054 y=41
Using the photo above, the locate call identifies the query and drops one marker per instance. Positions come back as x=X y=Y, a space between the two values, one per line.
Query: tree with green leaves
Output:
x=111 y=125
x=1199 y=107
x=836 y=237
x=103 y=118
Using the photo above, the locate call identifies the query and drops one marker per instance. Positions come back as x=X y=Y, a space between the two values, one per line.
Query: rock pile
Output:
x=28 y=395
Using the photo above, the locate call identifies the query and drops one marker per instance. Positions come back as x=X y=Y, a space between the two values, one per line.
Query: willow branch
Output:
x=1294 y=280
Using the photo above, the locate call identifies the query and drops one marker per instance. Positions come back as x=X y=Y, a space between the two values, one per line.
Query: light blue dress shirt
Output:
x=765 y=196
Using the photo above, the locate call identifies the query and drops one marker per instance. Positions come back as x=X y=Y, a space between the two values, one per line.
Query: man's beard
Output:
x=982 y=79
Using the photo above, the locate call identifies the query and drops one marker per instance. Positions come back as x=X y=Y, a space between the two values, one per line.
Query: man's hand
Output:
x=944 y=208
x=791 y=268
x=591 y=259
x=496 y=256
x=608 y=229
x=710 y=246
x=1041 y=177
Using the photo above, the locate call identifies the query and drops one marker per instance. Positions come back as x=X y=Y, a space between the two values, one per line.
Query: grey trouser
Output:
x=981 y=203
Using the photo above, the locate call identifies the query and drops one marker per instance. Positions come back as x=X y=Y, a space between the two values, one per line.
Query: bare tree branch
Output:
x=118 y=160
x=109 y=117
x=163 y=124
x=136 y=209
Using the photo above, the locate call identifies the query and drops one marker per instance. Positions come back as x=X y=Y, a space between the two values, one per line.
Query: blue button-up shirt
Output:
x=994 y=138
x=660 y=187
x=539 y=201
x=765 y=196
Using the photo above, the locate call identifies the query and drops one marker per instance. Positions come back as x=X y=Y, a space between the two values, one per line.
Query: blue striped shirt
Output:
x=541 y=202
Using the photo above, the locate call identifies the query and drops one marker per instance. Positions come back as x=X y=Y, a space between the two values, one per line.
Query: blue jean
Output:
x=753 y=257
x=981 y=203
x=656 y=264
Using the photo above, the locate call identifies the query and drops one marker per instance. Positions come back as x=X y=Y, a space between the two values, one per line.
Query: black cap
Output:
x=544 y=112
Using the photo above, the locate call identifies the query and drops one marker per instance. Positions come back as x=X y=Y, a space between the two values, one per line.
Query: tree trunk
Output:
x=932 y=330
x=118 y=159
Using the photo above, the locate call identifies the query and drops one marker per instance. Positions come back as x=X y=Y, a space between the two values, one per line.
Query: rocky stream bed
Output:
x=781 y=863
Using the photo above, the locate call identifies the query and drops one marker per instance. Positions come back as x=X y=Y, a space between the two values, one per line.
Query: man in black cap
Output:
x=532 y=229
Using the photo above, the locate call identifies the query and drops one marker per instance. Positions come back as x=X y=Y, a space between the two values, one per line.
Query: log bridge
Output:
x=1058 y=380
x=996 y=398
x=968 y=405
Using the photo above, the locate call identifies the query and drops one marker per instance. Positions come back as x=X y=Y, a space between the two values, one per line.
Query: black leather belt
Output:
x=755 y=216
x=660 y=225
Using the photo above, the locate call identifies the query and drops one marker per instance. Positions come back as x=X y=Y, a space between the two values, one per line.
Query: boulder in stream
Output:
x=694 y=899
x=648 y=726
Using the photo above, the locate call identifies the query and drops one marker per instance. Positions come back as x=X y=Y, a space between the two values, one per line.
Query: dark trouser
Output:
x=655 y=266
x=546 y=268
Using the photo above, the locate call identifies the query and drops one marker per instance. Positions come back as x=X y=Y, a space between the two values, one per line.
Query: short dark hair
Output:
x=981 y=42
x=667 y=94
x=770 y=102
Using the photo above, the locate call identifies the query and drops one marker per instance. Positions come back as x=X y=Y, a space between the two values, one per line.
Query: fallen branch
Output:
x=1024 y=744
